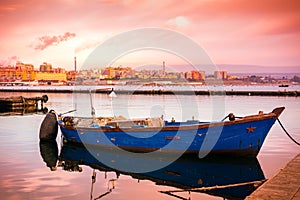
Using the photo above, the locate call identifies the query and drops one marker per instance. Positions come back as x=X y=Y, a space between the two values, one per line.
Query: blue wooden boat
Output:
x=243 y=136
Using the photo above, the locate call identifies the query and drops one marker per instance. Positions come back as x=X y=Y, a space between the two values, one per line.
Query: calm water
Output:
x=25 y=175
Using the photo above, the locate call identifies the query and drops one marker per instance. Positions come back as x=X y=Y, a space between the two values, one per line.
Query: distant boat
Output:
x=236 y=137
x=228 y=178
x=283 y=85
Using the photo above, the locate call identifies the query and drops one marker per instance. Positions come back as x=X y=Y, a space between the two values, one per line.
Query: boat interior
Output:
x=122 y=122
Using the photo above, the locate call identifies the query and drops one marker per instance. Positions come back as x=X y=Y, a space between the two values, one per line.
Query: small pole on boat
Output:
x=92 y=106
x=68 y=112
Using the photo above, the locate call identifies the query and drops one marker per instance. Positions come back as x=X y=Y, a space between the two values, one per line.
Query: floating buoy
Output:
x=45 y=98
x=49 y=127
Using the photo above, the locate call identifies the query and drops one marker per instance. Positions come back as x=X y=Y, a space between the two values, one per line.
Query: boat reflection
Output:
x=230 y=178
x=7 y=111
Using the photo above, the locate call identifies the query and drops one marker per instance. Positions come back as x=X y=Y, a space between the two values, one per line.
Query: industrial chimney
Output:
x=164 y=69
x=75 y=64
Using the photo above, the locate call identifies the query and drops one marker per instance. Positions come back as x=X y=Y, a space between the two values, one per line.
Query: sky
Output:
x=243 y=32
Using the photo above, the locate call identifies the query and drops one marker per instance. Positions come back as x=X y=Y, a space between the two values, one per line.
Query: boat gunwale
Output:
x=251 y=118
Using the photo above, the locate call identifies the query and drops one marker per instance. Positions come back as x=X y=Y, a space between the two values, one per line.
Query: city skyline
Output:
x=232 y=69
x=264 y=33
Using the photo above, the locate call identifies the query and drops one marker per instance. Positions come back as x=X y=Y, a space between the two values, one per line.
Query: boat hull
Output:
x=238 y=138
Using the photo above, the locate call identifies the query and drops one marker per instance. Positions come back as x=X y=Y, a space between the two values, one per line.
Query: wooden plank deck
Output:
x=283 y=185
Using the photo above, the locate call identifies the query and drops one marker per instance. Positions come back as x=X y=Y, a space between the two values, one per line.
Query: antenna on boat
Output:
x=92 y=106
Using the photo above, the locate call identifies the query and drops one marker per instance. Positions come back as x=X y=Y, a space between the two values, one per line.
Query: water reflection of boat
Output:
x=22 y=111
x=283 y=85
x=230 y=178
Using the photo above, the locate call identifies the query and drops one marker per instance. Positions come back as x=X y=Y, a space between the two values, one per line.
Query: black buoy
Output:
x=49 y=127
x=45 y=98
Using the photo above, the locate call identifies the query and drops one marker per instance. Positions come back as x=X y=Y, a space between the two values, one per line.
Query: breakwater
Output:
x=154 y=91
x=233 y=93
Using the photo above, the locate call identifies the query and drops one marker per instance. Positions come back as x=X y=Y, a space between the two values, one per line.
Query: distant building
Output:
x=26 y=72
x=117 y=73
x=108 y=73
x=71 y=75
x=45 y=67
x=195 y=75
x=19 y=72
x=24 y=67
x=198 y=75
x=220 y=75
x=188 y=76
x=232 y=77
x=50 y=77
x=49 y=74
x=10 y=73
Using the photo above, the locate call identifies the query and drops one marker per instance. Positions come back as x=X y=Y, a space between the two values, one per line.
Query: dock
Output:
x=285 y=184
x=207 y=92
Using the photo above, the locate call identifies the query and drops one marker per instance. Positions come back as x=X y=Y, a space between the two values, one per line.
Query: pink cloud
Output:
x=46 y=41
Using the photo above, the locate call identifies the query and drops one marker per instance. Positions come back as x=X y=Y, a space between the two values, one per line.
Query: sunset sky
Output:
x=245 y=32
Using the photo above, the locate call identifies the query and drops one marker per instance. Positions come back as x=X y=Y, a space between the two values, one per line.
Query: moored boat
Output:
x=20 y=102
x=283 y=85
x=242 y=136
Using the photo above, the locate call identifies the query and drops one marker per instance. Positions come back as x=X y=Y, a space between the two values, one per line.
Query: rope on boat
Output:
x=287 y=133
x=231 y=117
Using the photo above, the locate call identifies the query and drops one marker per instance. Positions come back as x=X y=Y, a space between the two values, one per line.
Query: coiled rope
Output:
x=287 y=133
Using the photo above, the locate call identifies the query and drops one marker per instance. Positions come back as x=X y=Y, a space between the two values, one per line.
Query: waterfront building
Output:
x=198 y=75
x=26 y=73
x=50 y=77
x=19 y=72
x=195 y=75
x=220 y=75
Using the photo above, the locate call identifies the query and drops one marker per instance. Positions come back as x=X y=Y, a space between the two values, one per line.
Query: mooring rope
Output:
x=287 y=133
